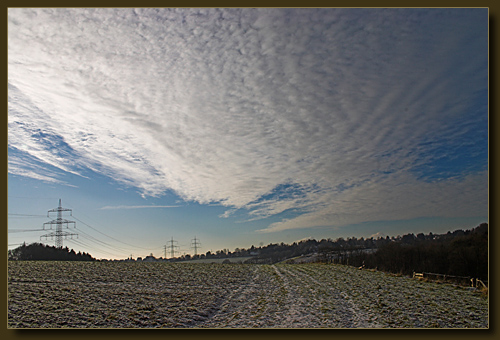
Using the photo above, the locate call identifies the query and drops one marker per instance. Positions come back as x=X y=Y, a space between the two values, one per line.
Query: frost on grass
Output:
x=143 y=295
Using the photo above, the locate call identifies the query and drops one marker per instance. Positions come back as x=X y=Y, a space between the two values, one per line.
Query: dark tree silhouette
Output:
x=461 y=253
x=41 y=252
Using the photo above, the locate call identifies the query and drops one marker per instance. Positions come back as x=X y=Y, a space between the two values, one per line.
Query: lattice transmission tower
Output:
x=195 y=244
x=59 y=223
x=172 y=247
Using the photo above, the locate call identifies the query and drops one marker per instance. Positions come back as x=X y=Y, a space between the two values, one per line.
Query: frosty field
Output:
x=143 y=295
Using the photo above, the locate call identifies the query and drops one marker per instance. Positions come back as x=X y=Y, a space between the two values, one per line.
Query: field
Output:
x=141 y=295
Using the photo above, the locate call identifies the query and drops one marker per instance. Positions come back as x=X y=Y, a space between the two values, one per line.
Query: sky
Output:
x=245 y=127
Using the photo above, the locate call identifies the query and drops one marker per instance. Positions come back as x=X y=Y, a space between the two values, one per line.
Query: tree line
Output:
x=41 y=252
x=459 y=253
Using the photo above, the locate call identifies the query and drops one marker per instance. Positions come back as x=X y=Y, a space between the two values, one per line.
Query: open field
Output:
x=139 y=295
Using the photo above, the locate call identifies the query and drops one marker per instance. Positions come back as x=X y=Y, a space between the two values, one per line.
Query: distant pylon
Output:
x=195 y=245
x=59 y=222
x=172 y=247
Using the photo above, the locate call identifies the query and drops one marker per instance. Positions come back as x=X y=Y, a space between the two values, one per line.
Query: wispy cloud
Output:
x=227 y=106
x=109 y=207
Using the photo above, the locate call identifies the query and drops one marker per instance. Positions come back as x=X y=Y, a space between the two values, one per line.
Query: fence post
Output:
x=481 y=282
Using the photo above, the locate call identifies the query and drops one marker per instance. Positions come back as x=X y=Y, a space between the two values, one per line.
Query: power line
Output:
x=95 y=244
x=86 y=245
x=104 y=234
x=88 y=225
x=96 y=240
x=106 y=244
x=58 y=234
x=34 y=198
x=59 y=222
x=100 y=232
x=103 y=243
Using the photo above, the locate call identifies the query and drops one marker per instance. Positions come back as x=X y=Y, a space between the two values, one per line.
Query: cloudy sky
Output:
x=245 y=126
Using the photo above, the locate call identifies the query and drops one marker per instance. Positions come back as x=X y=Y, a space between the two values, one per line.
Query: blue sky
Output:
x=244 y=127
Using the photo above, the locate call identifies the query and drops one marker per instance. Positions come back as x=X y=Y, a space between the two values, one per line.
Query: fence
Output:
x=461 y=280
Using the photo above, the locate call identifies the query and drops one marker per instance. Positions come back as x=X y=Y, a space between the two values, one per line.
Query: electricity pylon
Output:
x=195 y=245
x=59 y=222
x=172 y=247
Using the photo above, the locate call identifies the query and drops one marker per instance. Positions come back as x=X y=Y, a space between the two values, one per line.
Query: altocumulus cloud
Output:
x=340 y=115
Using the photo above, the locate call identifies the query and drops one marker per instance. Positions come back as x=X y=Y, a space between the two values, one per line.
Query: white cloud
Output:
x=227 y=213
x=108 y=207
x=226 y=105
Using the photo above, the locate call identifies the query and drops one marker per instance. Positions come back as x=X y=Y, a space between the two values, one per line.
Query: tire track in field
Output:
x=235 y=305
x=339 y=310
x=299 y=309
x=280 y=296
x=259 y=305
x=270 y=300
x=317 y=298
